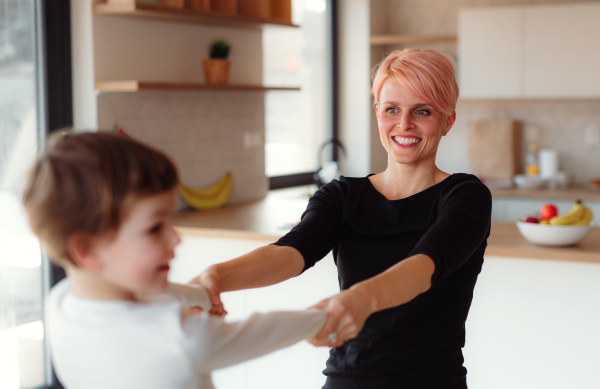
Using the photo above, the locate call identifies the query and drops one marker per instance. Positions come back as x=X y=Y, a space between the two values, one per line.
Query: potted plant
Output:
x=216 y=68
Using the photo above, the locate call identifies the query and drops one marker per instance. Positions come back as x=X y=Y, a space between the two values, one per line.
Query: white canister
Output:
x=548 y=163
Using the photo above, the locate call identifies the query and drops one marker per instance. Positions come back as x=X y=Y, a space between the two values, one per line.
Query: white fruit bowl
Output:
x=530 y=183
x=548 y=235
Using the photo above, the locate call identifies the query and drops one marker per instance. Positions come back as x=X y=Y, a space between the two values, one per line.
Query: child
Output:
x=103 y=204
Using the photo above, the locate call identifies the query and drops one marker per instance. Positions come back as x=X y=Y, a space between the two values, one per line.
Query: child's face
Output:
x=136 y=259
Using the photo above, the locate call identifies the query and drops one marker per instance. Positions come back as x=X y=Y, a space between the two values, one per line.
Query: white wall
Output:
x=354 y=100
x=85 y=112
x=154 y=50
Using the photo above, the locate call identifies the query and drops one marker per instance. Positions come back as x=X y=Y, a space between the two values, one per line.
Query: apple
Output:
x=548 y=211
x=531 y=219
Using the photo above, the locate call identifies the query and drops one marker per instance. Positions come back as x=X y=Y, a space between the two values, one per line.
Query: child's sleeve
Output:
x=214 y=343
x=190 y=295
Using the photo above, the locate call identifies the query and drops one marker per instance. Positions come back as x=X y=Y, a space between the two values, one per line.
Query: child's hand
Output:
x=346 y=316
x=210 y=282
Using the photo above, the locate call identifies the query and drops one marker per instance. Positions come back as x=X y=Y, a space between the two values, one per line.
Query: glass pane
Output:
x=296 y=123
x=22 y=354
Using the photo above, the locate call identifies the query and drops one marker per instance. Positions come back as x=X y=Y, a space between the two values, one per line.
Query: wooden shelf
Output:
x=152 y=11
x=139 y=86
x=382 y=40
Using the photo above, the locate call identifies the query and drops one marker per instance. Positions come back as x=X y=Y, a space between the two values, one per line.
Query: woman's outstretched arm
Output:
x=267 y=265
x=348 y=310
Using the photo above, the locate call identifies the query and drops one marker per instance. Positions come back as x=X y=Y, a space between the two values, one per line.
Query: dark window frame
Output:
x=307 y=178
x=54 y=95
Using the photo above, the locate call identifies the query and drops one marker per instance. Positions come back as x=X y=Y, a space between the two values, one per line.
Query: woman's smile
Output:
x=405 y=141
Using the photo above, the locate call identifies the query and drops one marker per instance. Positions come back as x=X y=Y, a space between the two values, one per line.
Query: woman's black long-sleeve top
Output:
x=417 y=344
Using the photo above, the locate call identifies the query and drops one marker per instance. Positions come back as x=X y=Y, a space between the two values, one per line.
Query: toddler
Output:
x=102 y=205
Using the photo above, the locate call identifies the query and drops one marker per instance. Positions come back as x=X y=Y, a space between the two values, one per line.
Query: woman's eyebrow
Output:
x=414 y=106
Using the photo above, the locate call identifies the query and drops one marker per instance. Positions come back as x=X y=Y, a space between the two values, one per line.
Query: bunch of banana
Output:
x=579 y=215
x=208 y=198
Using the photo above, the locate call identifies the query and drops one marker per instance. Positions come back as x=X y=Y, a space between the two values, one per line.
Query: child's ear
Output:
x=80 y=247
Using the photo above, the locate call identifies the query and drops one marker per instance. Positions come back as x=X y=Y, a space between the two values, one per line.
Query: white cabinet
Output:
x=534 y=324
x=548 y=51
x=562 y=51
x=490 y=49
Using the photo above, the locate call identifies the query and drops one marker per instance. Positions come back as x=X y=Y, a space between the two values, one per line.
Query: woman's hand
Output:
x=346 y=316
x=210 y=281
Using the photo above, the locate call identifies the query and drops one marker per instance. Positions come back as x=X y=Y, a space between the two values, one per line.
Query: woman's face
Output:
x=410 y=128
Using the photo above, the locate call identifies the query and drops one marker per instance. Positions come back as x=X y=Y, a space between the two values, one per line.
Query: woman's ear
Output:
x=81 y=249
x=377 y=111
x=449 y=122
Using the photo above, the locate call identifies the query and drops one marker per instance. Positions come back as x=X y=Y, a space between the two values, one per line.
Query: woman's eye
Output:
x=422 y=112
x=156 y=229
x=391 y=110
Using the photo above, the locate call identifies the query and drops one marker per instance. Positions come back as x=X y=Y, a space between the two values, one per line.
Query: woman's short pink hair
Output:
x=427 y=74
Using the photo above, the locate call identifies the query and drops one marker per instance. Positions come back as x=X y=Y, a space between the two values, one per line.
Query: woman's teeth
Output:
x=406 y=141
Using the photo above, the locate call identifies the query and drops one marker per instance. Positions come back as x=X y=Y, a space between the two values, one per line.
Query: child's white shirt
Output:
x=99 y=344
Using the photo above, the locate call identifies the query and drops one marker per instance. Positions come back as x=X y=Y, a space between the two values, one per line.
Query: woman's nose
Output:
x=405 y=123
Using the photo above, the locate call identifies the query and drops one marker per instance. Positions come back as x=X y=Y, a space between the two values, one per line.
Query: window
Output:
x=23 y=362
x=297 y=123
x=35 y=95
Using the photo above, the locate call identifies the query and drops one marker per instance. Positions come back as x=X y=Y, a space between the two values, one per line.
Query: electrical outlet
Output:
x=592 y=135
x=252 y=140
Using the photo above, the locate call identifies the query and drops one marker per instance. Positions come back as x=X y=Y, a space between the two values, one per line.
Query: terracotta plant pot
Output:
x=216 y=71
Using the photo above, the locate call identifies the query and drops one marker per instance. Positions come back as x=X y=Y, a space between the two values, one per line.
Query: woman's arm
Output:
x=349 y=310
x=267 y=265
x=301 y=248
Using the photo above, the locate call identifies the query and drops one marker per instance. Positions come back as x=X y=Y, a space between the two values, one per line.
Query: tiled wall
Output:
x=203 y=132
x=553 y=123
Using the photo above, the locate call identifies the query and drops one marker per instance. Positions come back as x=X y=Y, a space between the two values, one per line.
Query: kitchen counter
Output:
x=272 y=217
x=573 y=194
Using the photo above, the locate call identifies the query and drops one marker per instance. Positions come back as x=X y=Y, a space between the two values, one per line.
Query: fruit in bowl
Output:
x=548 y=211
x=530 y=219
x=559 y=230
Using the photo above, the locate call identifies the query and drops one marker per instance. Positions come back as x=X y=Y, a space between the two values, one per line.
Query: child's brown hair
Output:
x=82 y=181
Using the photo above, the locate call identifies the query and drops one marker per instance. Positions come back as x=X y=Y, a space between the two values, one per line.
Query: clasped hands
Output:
x=346 y=311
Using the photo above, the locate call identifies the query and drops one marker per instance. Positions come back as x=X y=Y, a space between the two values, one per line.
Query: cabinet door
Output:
x=562 y=57
x=490 y=52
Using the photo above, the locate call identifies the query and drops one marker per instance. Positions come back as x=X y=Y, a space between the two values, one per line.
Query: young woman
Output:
x=408 y=243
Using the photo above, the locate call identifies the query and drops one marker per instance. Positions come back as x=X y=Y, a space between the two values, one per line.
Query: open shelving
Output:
x=153 y=11
x=382 y=40
x=140 y=86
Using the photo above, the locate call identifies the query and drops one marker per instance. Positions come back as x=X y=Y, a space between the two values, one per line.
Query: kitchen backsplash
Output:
x=553 y=124
x=206 y=134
